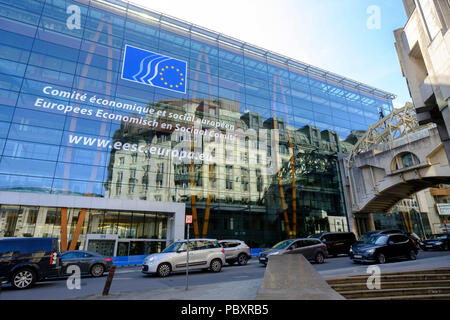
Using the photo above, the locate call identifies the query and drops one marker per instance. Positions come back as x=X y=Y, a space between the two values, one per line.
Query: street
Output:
x=131 y=279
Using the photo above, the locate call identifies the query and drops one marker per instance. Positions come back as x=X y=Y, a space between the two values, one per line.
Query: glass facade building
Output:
x=246 y=139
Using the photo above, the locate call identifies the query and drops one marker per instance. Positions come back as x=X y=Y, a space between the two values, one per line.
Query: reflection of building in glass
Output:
x=241 y=176
x=259 y=166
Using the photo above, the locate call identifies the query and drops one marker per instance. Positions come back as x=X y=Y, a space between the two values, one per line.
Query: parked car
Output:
x=337 y=242
x=24 y=261
x=236 y=251
x=381 y=247
x=89 y=262
x=437 y=241
x=203 y=254
x=312 y=249
x=414 y=237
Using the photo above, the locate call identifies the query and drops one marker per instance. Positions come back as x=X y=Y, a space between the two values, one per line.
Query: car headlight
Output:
x=370 y=251
x=439 y=242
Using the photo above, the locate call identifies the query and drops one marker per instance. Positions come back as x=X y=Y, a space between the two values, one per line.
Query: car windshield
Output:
x=173 y=247
x=365 y=237
x=283 y=244
x=377 y=239
x=317 y=236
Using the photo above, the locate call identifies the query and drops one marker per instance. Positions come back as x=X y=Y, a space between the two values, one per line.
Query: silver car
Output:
x=203 y=254
x=236 y=251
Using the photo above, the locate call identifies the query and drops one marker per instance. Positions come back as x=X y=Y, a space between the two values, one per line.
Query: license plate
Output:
x=429 y=246
x=358 y=256
x=262 y=259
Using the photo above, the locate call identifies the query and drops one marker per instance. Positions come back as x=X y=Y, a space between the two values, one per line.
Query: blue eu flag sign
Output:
x=154 y=69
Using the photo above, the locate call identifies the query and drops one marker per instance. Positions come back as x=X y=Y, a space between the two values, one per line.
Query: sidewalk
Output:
x=401 y=266
x=234 y=290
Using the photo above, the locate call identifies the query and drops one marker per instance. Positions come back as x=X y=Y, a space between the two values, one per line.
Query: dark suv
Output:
x=337 y=242
x=23 y=261
x=381 y=247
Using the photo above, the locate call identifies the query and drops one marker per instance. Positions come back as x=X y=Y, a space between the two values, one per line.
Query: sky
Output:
x=353 y=38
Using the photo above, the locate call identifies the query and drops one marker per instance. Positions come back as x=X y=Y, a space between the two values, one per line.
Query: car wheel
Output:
x=164 y=270
x=23 y=278
x=216 y=265
x=97 y=270
x=242 y=259
x=319 y=257
x=412 y=255
x=381 y=258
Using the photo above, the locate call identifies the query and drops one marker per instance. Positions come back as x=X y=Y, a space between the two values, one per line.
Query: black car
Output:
x=24 y=261
x=336 y=242
x=437 y=241
x=381 y=247
x=89 y=262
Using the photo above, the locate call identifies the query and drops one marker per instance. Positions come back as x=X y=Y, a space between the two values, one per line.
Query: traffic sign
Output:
x=188 y=219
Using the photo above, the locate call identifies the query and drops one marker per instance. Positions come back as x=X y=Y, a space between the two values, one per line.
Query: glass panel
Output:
x=124 y=225
x=161 y=225
x=48 y=222
x=8 y=220
x=110 y=223
x=139 y=225
x=95 y=218
x=103 y=247
x=123 y=249
x=150 y=226
x=29 y=221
